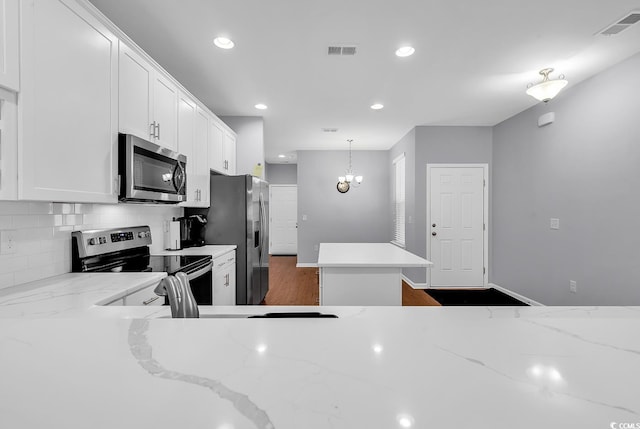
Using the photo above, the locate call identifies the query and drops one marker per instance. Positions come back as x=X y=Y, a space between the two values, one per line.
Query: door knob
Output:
x=433 y=225
x=434 y=233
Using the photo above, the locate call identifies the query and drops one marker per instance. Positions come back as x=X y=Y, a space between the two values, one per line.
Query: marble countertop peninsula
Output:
x=375 y=367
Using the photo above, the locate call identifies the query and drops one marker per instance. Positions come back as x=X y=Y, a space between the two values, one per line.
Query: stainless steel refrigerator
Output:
x=239 y=214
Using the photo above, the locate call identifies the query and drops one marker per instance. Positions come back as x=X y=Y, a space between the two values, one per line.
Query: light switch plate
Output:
x=7 y=242
x=555 y=223
x=304 y=217
x=573 y=286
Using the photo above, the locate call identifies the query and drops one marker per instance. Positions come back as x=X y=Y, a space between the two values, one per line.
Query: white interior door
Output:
x=283 y=219
x=456 y=226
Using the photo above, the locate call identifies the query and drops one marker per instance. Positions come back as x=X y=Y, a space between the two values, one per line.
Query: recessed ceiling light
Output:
x=260 y=106
x=405 y=51
x=223 y=43
x=282 y=156
x=377 y=106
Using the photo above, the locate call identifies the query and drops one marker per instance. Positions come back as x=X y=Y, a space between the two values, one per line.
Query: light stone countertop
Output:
x=214 y=250
x=66 y=362
x=367 y=255
x=528 y=368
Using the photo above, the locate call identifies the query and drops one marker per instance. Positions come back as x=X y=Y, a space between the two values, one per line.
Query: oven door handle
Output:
x=200 y=272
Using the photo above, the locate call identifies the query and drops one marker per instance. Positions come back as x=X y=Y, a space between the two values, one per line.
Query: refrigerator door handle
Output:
x=260 y=230
x=263 y=220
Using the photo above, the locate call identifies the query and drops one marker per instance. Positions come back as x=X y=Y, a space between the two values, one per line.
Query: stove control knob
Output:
x=142 y=234
x=92 y=242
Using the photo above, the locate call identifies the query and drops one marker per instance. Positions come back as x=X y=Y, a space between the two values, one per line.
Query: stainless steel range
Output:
x=127 y=250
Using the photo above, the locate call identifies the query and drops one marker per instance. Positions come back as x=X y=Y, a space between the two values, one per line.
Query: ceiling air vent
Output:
x=621 y=24
x=341 y=50
x=329 y=130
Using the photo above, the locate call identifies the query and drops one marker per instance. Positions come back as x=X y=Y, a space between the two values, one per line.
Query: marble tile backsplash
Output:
x=42 y=233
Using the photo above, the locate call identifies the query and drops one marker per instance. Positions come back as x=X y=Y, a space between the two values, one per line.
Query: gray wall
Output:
x=249 y=142
x=430 y=145
x=360 y=215
x=584 y=170
x=281 y=174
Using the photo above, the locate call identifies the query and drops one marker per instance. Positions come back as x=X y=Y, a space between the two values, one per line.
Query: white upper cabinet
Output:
x=68 y=104
x=222 y=149
x=9 y=42
x=216 y=147
x=148 y=101
x=136 y=78
x=192 y=142
x=201 y=149
x=229 y=153
x=165 y=111
x=8 y=145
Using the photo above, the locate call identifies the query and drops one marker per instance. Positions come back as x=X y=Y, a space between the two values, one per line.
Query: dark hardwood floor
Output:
x=289 y=285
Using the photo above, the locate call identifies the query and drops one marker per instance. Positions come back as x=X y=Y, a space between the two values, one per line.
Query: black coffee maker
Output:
x=192 y=230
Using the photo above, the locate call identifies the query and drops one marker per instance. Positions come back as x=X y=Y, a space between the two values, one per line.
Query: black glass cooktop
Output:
x=173 y=264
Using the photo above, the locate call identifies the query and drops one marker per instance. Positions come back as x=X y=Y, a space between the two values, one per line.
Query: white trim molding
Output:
x=516 y=295
x=307 y=265
x=414 y=285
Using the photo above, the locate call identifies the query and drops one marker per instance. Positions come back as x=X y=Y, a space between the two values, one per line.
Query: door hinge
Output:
x=484 y=226
x=484 y=270
x=484 y=183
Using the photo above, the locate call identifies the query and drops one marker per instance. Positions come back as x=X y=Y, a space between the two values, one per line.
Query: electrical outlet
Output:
x=573 y=287
x=554 y=223
x=7 y=241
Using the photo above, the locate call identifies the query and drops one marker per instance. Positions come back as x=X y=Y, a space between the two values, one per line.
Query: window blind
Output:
x=399 y=201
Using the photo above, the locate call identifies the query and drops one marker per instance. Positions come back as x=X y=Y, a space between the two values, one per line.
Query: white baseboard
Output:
x=516 y=295
x=414 y=285
x=307 y=265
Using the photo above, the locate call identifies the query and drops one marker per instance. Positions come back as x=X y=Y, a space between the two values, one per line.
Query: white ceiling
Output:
x=472 y=63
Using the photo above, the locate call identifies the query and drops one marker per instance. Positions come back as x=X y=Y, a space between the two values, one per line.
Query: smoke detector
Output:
x=622 y=24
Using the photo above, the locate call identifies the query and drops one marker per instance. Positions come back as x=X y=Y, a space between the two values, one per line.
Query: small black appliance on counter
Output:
x=192 y=230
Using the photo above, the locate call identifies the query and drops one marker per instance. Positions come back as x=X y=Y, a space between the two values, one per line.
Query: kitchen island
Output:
x=363 y=273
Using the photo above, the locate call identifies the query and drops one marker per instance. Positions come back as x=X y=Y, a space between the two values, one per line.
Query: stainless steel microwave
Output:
x=150 y=173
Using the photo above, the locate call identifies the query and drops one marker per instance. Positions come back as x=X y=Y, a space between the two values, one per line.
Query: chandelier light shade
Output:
x=548 y=88
x=350 y=178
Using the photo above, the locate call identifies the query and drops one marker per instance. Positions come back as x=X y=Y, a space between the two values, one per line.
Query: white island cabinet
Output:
x=363 y=273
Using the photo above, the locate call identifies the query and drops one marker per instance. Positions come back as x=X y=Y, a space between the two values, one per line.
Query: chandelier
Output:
x=548 y=88
x=350 y=178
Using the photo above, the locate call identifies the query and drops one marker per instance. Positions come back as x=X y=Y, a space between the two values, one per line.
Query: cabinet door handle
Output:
x=158 y=136
x=152 y=132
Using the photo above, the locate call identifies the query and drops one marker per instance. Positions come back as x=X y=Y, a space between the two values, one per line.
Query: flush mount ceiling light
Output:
x=377 y=106
x=350 y=178
x=223 y=43
x=405 y=51
x=282 y=156
x=548 y=88
x=260 y=106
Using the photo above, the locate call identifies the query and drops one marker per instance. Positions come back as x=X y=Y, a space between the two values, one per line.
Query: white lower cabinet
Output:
x=224 y=279
x=68 y=105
